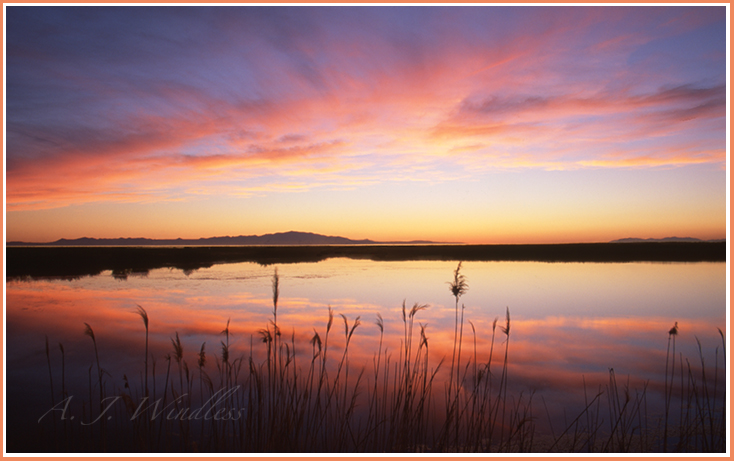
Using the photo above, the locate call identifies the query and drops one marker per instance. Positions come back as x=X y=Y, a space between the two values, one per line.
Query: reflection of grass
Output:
x=315 y=401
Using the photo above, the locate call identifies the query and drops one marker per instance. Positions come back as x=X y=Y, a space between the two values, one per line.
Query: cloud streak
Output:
x=158 y=103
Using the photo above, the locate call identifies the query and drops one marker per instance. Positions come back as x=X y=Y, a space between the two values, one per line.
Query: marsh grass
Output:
x=277 y=398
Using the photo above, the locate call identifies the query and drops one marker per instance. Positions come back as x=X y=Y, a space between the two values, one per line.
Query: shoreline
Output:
x=77 y=261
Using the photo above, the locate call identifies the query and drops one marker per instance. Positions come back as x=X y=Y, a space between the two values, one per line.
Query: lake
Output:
x=577 y=330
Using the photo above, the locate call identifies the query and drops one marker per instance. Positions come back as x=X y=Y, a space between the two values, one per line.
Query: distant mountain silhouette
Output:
x=666 y=239
x=281 y=238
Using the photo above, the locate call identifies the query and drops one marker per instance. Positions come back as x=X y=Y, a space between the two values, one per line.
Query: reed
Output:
x=275 y=398
x=51 y=381
x=103 y=425
x=458 y=287
x=668 y=391
x=146 y=392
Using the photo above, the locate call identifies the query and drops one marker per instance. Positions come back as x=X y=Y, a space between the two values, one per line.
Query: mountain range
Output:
x=280 y=238
x=666 y=239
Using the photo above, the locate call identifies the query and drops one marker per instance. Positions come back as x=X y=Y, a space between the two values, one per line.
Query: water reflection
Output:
x=571 y=322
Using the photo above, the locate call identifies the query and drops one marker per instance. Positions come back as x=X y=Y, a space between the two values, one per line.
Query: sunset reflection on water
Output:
x=570 y=323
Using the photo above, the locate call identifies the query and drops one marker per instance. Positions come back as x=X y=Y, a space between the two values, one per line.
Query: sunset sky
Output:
x=466 y=124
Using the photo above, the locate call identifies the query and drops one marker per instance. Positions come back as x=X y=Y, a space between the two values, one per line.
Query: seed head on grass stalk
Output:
x=347 y=331
x=201 y=361
x=178 y=356
x=502 y=396
x=458 y=287
x=376 y=361
x=144 y=315
x=89 y=332
x=474 y=335
x=225 y=332
x=276 y=292
x=265 y=335
x=316 y=342
x=225 y=345
x=417 y=308
x=63 y=372
x=51 y=379
x=177 y=348
x=266 y=338
x=48 y=359
x=506 y=329
x=424 y=338
x=668 y=392
x=381 y=324
x=276 y=330
x=322 y=365
x=225 y=353
x=202 y=356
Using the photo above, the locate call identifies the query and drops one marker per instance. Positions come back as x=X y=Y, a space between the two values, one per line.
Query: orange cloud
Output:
x=309 y=104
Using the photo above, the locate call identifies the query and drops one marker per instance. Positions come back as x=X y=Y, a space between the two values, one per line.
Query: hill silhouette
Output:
x=280 y=238
x=666 y=239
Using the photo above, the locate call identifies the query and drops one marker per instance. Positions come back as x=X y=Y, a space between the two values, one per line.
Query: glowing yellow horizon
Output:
x=478 y=125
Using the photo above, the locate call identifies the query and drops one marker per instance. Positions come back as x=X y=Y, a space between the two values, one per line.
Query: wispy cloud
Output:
x=137 y=103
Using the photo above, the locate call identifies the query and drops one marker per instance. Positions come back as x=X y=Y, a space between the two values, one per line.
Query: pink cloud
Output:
x=360 y=105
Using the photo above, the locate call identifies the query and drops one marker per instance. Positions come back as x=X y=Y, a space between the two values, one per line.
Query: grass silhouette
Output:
x=290 y=400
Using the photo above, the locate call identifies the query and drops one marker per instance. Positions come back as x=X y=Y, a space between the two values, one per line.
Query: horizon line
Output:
x=348 y=240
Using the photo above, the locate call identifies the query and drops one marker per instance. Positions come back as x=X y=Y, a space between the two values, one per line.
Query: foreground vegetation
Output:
x=277 y=398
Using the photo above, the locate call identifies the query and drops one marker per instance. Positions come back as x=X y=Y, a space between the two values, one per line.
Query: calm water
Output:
x=570 y=322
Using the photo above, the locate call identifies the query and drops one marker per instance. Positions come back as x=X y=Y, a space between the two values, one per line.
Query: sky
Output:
x=481 y=124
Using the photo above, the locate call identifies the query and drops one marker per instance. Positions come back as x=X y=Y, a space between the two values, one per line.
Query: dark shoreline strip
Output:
x=80 y=261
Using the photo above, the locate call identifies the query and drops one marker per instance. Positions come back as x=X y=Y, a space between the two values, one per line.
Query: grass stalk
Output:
x=295 y=402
